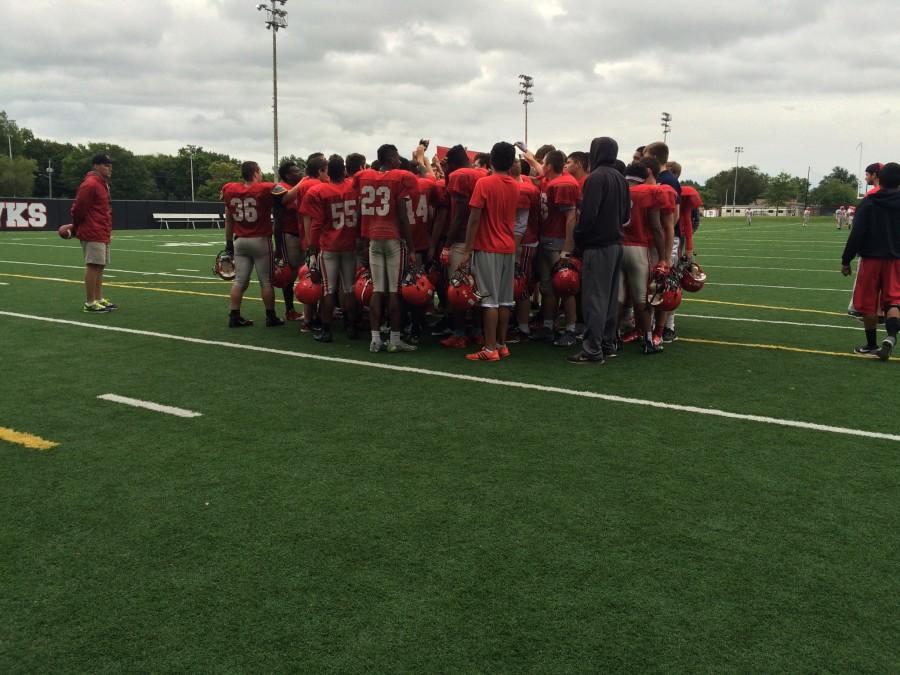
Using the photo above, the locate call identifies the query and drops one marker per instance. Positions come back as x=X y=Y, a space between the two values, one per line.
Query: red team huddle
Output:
x=470 y=247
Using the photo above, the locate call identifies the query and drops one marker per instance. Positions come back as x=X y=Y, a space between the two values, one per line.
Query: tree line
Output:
x=168 y=177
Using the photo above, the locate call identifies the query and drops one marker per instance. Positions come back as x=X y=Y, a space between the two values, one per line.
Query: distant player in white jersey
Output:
x=806 y=216
x=749 y=214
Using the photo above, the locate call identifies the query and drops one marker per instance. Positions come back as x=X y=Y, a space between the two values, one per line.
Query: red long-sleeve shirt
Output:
x=91 y=211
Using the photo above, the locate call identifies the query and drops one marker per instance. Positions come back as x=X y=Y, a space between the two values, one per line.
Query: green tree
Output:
x=219 y=174
x=781 y=189
x=17 y=176
x=12 y=137
x=44 y=151
x=751 y=184
x=131 y=179
x=832 y=192
x=841 y=174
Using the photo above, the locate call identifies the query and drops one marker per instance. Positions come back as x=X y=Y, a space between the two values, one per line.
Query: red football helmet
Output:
x=433 y=271
x=663 y=291
x=692 y=276
x=462 y=293
x=566 y=277
x=283 y=274
x=308 y=291
x=363 y=289
x=224 y=267
x=415 y=288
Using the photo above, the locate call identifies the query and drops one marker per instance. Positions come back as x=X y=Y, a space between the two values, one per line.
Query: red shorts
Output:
x=877 y=285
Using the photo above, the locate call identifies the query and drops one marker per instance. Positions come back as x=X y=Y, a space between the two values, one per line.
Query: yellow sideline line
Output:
x=780 y=348
x=134 y=288
x=786 y=309
x=28 y=440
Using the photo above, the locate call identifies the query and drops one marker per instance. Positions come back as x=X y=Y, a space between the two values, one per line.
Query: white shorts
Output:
x=386 y=264
x=334 y=265
x=250 y=252
x=637 y=261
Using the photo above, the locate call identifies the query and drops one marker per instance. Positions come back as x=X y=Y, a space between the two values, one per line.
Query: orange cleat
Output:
x=455 y=342
x=484 y=354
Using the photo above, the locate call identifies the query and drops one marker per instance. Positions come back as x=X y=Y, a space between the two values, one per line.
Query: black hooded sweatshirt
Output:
x=605 y=202
x=876 y=228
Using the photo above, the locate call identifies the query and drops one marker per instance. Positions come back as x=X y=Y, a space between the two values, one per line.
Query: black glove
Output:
x=229 y=248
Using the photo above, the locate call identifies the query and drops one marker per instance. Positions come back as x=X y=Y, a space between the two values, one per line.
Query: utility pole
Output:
x=806 y=195
x=666 y=126
x=50 y=176
x=526 y=84
x=738 y=149
x=191 y=156
x=859 y=174
x=275 y=19
x=9 y=136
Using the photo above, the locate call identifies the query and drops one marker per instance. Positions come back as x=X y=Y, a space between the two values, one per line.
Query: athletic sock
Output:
x=871 y=337
x=376 y=336
x=234 y=313
x=670 y=322
x=892 y=326
x=570 y=327
x=649 y=336
x=395 y=337
x=523 y=328
x=548 y=323
x=270 y=313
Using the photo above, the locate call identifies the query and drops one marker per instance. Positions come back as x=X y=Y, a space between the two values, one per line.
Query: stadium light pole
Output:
x=526 y=84
x=664 y=121
x=738 y=149
x=859 y=173
x=9 y=137
x=275 y=19
x=50 y=176
x=191 y=157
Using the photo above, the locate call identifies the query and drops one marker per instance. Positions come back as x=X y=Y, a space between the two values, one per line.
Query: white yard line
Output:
x=771 y=269
x=150 y=405
x=788 y=288
x=768 y=321
x=109 y=269
x=709 y=412
x=119 y=250
x=178 y=269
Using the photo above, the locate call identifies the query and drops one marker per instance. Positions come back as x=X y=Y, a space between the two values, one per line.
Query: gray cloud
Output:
x=796 y=83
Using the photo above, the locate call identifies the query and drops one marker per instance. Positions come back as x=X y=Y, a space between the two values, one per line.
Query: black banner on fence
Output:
x=23 y=215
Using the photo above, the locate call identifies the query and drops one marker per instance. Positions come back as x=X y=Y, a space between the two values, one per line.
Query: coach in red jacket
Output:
x=92 y=224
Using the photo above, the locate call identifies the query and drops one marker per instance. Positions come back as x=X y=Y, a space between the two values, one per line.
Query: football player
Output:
x=560 y=196
x=316 y=173
x=248 y=238
x=384 y=216
x=643 y=247
x=667 y=210
x=490 y=234
x=691 y=203
x=331 y=208
x=528 y=222
x=578 y=166
x=287 y=233
x=461 y=179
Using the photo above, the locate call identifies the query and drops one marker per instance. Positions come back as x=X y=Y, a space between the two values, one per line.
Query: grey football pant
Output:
x=600 y=297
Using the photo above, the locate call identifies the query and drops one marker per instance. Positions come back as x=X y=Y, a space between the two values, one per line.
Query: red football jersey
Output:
x=380 y=197
x=461 y=185
x=669 y=198
x=530 y=198
x=419 y=210
x=250 y=208
x=307 y=183
x=557 y=197
x=331 y=208
x=690 y=200
x=644 y=198
x=288 y=217
x=497 y=196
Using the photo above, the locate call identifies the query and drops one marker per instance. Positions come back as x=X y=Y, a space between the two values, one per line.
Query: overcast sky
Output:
x=795 y=82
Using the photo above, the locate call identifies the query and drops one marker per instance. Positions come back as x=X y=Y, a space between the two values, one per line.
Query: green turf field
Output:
x=329 y=516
